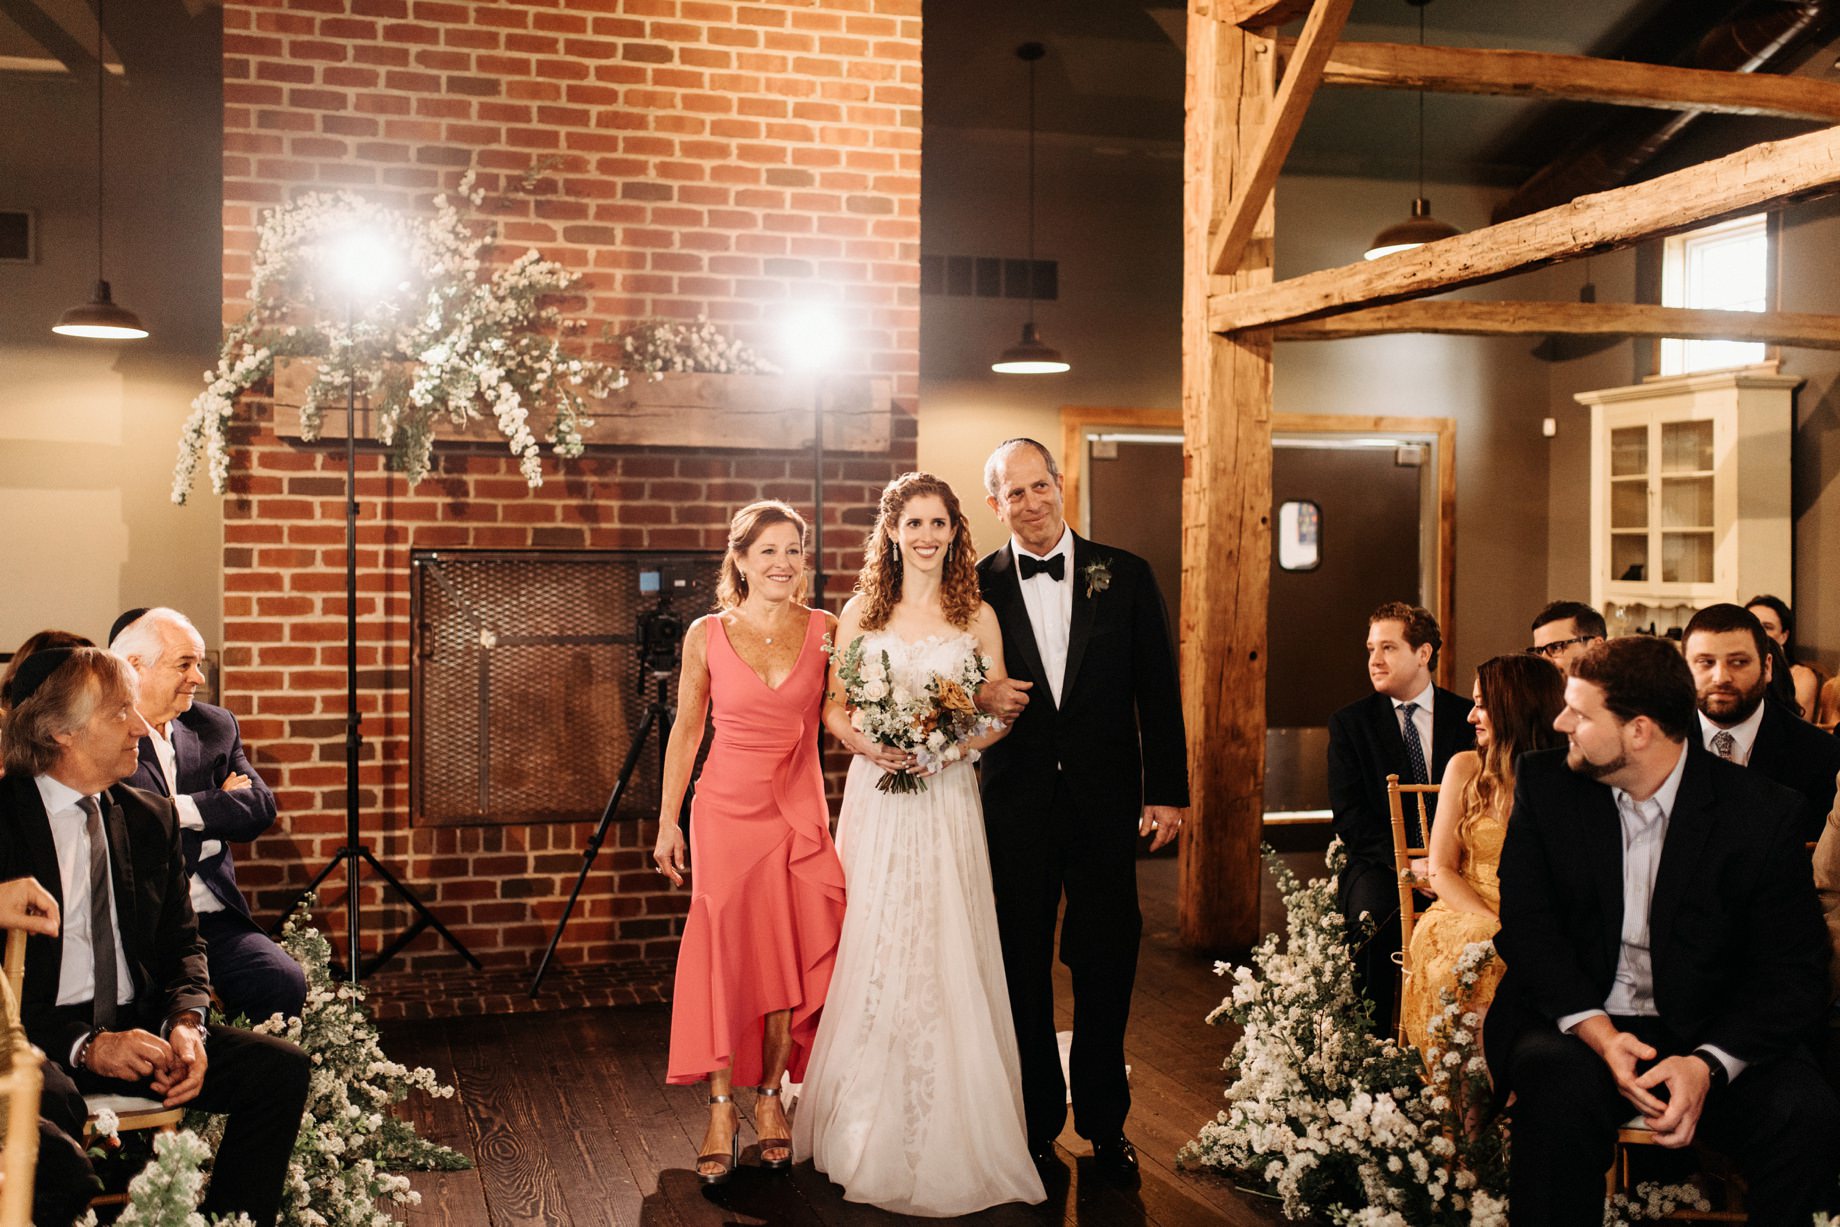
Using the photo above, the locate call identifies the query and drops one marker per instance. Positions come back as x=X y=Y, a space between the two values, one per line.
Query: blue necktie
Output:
x=1415 y=749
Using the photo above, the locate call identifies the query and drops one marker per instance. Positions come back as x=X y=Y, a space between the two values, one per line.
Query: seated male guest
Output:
x=1564 y=629
x=1665 y=954
x=193 y=753
x=118 y=998
x=1410 y=728
x=1729 y=653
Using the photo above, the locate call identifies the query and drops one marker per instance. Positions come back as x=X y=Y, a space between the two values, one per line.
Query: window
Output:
x=1722 y=268
x=1299 y=536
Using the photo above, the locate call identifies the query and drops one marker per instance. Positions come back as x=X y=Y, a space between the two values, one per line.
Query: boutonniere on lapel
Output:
x=1098 y=575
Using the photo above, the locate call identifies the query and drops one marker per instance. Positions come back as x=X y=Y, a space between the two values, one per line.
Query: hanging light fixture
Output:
x=1419 y=227
x=100 y=317
x=1030 y=356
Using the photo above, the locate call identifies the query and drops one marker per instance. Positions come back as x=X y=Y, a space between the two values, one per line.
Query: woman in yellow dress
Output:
x=1517 y=698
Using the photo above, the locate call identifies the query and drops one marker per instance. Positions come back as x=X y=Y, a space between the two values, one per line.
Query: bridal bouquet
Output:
x=931 y=724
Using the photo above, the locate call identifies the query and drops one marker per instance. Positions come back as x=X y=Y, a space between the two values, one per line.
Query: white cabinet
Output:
x=1689 y=493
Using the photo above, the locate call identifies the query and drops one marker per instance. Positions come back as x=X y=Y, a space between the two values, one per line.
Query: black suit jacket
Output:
x=1117 y=733
x=207 y=748
x=1800 y=756
x=1739 y=950
x=1365 y=747
x=158 y=932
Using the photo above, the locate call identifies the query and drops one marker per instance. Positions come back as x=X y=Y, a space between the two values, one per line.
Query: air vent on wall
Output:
x=989 y=277
x=17 y=236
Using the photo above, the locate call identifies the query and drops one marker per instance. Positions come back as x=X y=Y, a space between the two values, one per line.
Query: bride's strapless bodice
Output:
x=913 y=663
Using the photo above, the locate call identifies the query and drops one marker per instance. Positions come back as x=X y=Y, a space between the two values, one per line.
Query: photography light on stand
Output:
x=811 y=340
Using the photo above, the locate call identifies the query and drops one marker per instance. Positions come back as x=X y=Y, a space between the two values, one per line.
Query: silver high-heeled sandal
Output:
x=729 y=1161
x=766 y=1144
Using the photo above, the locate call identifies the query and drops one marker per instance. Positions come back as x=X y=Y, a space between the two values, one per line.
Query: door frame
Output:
x=1078 y=420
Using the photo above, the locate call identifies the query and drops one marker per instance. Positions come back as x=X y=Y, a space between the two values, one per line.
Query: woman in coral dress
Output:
x=766 y=903
x=1517 y=698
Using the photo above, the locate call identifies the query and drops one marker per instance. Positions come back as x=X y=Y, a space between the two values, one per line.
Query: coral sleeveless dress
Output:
x=766 y=902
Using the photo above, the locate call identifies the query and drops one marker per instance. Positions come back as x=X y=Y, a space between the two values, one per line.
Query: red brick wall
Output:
x=719 y=158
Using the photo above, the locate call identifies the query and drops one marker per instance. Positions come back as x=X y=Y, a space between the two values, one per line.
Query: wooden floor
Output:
x=568 y=1120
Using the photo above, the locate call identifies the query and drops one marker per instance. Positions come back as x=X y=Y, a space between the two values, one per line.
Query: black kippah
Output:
x=127 y=619
x=38 y=667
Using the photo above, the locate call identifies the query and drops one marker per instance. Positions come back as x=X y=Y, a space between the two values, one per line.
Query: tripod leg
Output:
x=338 y=858
x=427 y=918
x=600 y=833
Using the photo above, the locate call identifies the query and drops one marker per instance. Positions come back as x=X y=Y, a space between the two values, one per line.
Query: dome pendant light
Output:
x=1030 y=356
x=100 y=318
x=1420 y=227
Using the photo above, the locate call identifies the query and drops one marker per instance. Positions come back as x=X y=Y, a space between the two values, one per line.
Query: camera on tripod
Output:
x=661 y=627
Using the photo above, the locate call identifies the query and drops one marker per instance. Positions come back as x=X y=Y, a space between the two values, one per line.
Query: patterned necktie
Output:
x=101 y=919
x=1415 y=749
x=1723 y=743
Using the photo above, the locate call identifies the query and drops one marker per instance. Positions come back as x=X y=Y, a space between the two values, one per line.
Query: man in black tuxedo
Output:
x=1409 y=727
x=1665 y=956
x=118 y=998
x=193 y=753
x=1097 y=757
x=1729 y=653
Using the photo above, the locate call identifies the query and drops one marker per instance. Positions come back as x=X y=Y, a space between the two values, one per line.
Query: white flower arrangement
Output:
x=932 y=724
x=352 y=1146
x=167 y=1191
x=458 y=337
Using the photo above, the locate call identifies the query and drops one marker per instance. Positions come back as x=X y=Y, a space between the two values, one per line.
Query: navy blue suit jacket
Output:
x=207 y=748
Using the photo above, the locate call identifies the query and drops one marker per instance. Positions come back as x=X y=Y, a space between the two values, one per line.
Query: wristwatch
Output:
x=1720 y=1075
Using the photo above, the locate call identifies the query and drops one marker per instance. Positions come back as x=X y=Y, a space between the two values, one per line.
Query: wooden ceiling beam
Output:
x=1257 y=14
x=1760 y=177
x=44 y=30
x=1534 y=74
x=1260 y=174
x=1467 y=317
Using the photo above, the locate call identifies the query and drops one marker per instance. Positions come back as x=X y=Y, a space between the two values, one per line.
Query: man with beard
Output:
x=1728 y=651
x=1665 y=955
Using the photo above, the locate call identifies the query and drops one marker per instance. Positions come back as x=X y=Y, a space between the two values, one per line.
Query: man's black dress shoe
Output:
x=1116 y=1160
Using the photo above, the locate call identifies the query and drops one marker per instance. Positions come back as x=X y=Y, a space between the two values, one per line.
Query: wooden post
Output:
x=1226 y=501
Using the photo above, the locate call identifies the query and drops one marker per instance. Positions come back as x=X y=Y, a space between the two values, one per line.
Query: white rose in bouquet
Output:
x=876 y=691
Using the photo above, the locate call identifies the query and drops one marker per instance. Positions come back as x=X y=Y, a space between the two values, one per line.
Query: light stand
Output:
x=355 y=850
x=817 y=489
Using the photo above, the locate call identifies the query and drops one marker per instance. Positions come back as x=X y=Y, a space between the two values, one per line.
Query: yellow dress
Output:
x=1442 y=932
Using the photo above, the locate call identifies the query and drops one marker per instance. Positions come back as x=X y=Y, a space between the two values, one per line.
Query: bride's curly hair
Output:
x=879 y=581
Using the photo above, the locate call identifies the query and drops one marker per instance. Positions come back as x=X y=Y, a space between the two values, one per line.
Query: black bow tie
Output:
x=1054 y=568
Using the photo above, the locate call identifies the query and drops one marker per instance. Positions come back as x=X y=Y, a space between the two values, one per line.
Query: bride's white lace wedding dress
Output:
x=913 y=1098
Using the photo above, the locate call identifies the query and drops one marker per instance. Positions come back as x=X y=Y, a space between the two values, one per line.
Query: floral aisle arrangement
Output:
x=352 y=1148
x=454 y=335
x=166 y=1192
x=932 y=724
x=1338 y=1123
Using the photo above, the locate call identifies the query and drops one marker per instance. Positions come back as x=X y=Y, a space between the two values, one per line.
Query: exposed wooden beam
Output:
x=1258 y=14
x=1535 y=74
x=1255 y=181
x=1762 y=176
x=1465 y=317
x=1226 y=503
x=44 y=30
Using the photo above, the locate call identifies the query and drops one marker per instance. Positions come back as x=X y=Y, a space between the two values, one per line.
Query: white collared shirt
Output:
x=1050 y=606
x=77 y=967
x=1421 y=720
x=189 y=817
x=1644 y=827
x=1743 y=735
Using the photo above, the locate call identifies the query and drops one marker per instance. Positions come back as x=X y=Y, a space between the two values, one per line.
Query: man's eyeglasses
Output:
x=1556 y=649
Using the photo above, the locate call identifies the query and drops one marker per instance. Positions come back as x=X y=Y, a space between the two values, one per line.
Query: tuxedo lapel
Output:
x=1079 y=627
x=1386 y=732
x=1770 y=749
x=1688 y=828
x=1006 y=593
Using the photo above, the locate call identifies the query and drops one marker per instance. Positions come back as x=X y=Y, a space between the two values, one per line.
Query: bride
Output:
x=913 y=1097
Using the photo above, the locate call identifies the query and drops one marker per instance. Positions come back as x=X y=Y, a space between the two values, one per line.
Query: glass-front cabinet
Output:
x=1690 y=490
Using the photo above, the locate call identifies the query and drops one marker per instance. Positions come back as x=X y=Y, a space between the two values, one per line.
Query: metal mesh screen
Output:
x=527 y=688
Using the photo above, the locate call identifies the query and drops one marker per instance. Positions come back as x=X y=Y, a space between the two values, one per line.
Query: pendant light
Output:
x=1030 y=356
x=100 y=318
x=1419 y=227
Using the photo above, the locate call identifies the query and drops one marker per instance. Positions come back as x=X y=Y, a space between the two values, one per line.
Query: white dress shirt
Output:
x=77 y=967
x=1050 y=606
x=189 y=817
x=1644 y=825
x=1421 y=720
x=1743 y=735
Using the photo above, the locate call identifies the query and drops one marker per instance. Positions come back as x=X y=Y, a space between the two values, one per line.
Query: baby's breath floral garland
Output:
x=457 y=338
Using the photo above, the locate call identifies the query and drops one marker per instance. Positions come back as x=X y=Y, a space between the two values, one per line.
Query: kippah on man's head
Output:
x=36 y=670
x=128 y=618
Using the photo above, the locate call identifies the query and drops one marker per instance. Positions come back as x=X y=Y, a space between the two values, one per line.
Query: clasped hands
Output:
x=175 y=1064
x=1686 y=1079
